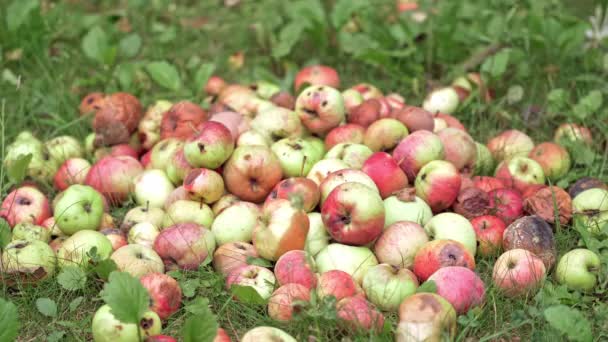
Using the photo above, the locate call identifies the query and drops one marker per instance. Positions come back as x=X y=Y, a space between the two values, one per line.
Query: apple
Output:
x=483 y=163
x=183 y=211
x=252 y=172
x=354 y=260
x=151 y=188
x=91 y=103
x=438 y=184
x=137 y=260
x=450 y=121
x=224 y=202
x=353 y=214
x=444 y=100
x=204 y=185
x=25 y=204
x=80 y=208
x=347 y=133
x=551 y=203
x=520 y=172
x=585 y=183
x=230 y=256
x=399 y=244
x=471 y=201
x=365 y=113
x=116 y=236
x=507 y=204
x=426 y=317
x=303 y=191
x=509 y=144
x=210 y=147
x=277 y=123
x=436 y=254
x=385 y=172
x=395 y=101
x=338 y=284
x=460 y=286
x=63 y=148
x=553 y=158
x=113 y=177
x=267 y=334
x=354 y=155
x=149 y=126
x=28 y=231
x=214 y=85
x=72 y=171
x=316 y=75
x=143 y=233
x=177 y=168
x=163 y=151
x=235 y=122
x=590 y=208
x=352 y=99
x=489 y=230
x=532 y=233
x=76 y=250
x=416 y=150
x=439 y=124
x=261 y=279
x=459 y=147
x=161 y=338
x=518 y=272
x=454 y=227
x=185 y=246
x=415 y=118
x=296 y=156
x=578 y=269
x=283 y=99
x=284 y=301
x=317 y=237
x=487 y=183
x=142 y=214
x=115 y=151
x=280 y=228
x=236 y=223
x=570 y=132
x=26 y=261
x=357 y=314
x=387 y=286
x=181 y=120
x=337 y=178
x=41 y=166
x=368 y=91
x=165 y=294
x=323 y=168
x=107 y=328
x=320 y=108
x=384 y=134
x=405 y=206
x=296 y=267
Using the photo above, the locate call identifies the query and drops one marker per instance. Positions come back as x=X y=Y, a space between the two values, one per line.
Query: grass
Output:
x=46 y=71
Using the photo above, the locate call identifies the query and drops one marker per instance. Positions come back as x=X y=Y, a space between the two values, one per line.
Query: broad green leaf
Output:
x=125 y=73
x=428 y=286
x=344 y=9
x=164 y=74
x=9 y=321
x=588 y=104
x=258 y=262
x=104 y=268
x=55 y=336
x=288 y=37
x=198 y=306
x=74 y=304
x=5 y=233
x=18 y=11
x=129 y=46
x=496 y=65
x=18 y=169
x=356 y=43
x=569 y=322
x=72 y=278
x=47 y=307
x=202 y=75
x=307 y=12
x=189 y=287
x=247 y=294
x=201 y=327
x=96 y=45
x=126 y=296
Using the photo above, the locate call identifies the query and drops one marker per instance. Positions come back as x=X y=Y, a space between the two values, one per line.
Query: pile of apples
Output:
x=352 y=194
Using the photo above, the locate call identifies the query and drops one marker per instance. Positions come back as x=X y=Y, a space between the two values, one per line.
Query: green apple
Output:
x=142 y=214
x=152 y=187
x=106 y=328
x=296 y=155
x=354 y=155
x=183 y=211
x=387 y=286
x=451 y=226
x=235 y=223
x=484 y=162
x=163 y=151
x=267 y=334
x=28 y=231
x=353 y=260
x=80 y=208
x=137 y=260
x=578 y=269
x=76 y=250
x=590 y=209
x=317 y=237
x=266 y=89
x=63 y=148
x=27 y=261
x=406 y=208
x=276 y=123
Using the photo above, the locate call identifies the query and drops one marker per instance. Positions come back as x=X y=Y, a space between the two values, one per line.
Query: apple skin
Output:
x=317 y=237
x=302 y=190
x=590 y=208
x=438 y=184
x=483 y=163
x=224 y=202
x=184 y=211
x=337 y=178
x=352 y=99
x=385 y=172
x=149 y=126
x=72 y=171
x=137 y=260
x=444 y=100
x=507 y=204
x=426 y=317
x=368 y=91
x=267 y=334
x=553 y=158
x=181 y=119
x=64 y=147
x=204 y=185
x=142 y=214
x=113 y=177
x=460 y=286
x=143 y=233
x=26 y=262
x=165 y=294
x=573 y=133
x=257 y=277
x=436 y=254
x=184 y=246
x=520 y=173
x=353 y=214
x=509 y=144
x=459 y=147
x=283 y=302
x=338 y=284
x=252 y=172
x=296 y=155
x=578 y=269
x=160 y=338
x=296 y=267
x=28 y=231
x=280 y=228
x=414 y=118
x=236 y=223
x=384 y=134
x=320 y=108
x=365 y=113
x=106 y=328
x=404 y=206
x=151 y=188
x=585 y=183
x=235 y=122
x=353 y=260
x=399 y=244
x=317 y=75
x=25 y=204
x=272 y=125
x=347 y=133
x=210 y=147
x=75 y=249
x=532 y=233
x=518 y=272
x=387 y=286
x=115 y=151
x=230 y=256
x=221 y=336
x=453 y=227
x=357 y=314
x=116 y=236
x=323 y=168
x=416 y=150
x=354 y=155
x=487 y=183
x=489 y=230
x=163 y=151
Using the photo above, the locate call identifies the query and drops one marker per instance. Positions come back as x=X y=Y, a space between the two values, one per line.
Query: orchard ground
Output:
x=543 y=67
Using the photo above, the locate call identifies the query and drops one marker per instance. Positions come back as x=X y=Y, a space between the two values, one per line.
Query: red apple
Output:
x=487 y=183
x=458 y=146
x=72 y=171
x=303 y=191
x=358 y=314
x=214 y=85
x=436 y=254
x=399 y=244
x=509 y=144
x=204 y=185
x=165 y=293
x=235 y=122
x=25 y=204
x=283 y=302
x=317 y=75
x=368 y=91
x=116 y=236
x=520 y=173
x=489 y=230
x=296 y=267
x=338 y=284
x=451 y=121
x=347 y=133
x=518 y=272
x=417 y=150
x=184 y=246
x=553 y=158
x=221 y=336
x=384 y=134
x=320 y=108
x=415 y=118
x=438 y=184
x=365 y=114
x=506 y=204
x=460 y=286
x=181 y=120
x=160 y=338
x=471 y=202
x=232 y=255
x=385 y=172
x=113 y=177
